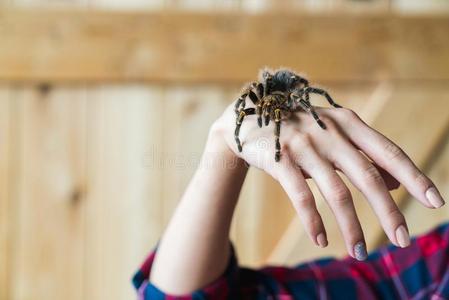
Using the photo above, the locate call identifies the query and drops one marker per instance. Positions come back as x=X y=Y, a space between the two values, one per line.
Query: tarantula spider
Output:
x=274 y=96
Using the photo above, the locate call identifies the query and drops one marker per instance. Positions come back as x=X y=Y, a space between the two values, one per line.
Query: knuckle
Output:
x=330 y=123
x=314 y=223
x=348 y=114
x=297 y=148
x=300 y=140
x=352 y=233
x=295 y=142
x=298 y=158
x=393 y=152
x=315 y=220
x=340 y=194
x=394 y=216
x=303 y=198
x=327 y=120
x=422 y=182
x=372 y=174
x=285 y=149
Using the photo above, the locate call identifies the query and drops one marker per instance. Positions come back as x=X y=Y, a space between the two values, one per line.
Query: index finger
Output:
x=390 y=157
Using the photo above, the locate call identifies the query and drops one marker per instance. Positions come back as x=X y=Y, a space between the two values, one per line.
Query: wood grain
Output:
x=5 y=164
x=92 y=46
x=48 y=199
x=263 y=213
x=420 y=7
x=83 y=197
x=187 y=115
x=335 y=6
x=124 y=203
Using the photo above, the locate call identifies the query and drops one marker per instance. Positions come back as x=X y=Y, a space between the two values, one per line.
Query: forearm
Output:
x=194 y=249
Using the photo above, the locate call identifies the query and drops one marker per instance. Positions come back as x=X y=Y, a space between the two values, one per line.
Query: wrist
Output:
x=217 y=152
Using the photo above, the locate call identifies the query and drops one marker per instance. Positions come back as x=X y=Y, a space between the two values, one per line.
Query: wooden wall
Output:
x=96 y=149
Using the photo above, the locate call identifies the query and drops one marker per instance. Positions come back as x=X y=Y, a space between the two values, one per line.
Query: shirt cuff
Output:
x=220 y=288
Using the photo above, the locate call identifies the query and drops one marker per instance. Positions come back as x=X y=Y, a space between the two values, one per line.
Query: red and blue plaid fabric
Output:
x=420 y=271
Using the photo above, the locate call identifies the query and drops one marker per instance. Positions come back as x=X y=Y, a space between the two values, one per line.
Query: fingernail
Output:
x=360 y=251
x=321 y=240
x=402 y=236
x=434 y=197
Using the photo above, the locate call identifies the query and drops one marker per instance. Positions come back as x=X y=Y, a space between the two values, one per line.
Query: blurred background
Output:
x=105 y=107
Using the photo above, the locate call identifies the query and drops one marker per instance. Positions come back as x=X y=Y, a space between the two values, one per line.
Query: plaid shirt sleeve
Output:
x=420 y=271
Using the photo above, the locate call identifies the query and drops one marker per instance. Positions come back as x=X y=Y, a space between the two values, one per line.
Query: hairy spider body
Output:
x=275 y=95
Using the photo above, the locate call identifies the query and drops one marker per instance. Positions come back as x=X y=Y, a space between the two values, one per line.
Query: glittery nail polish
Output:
x=360 y=251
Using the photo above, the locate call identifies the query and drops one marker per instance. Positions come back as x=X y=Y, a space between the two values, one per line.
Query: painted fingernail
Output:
x=434 y=197
x=321 y=240
x=360 y=251
x=402 y=236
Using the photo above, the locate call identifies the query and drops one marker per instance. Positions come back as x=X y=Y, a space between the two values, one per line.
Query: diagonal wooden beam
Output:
x=52 y=46
x=5 y=183
x=414 y=118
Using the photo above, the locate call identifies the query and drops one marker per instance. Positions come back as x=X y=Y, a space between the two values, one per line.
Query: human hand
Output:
x=372 y=162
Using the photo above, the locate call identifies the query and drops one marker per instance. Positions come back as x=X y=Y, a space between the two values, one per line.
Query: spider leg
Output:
x=253 y=97
x=265 y=109
x=268 y=82
x=267 y=114
x=309 y=108
x=259 y=114
x=257 y=101
x=264 y=91
x=260 y=90
x=305 y=82
x=241 y=115
x=321 y=92
x=240 y=101
x=277 y=133
x=248 y=91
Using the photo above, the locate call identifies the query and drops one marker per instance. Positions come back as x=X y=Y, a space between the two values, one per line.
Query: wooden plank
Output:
x=91 y=46
x=188 y=114
x=244 y=222
x=49 y=195
x=262 y=215
x=328 y=6
x=124 y=211
x=128 y=5
x=125 y=204
x=202 y=5
x=417 y=6
x=273 y=215
x=38 y=4
x=402 y=120
x=362 y=6
x=255 y=6
x=5 y=149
